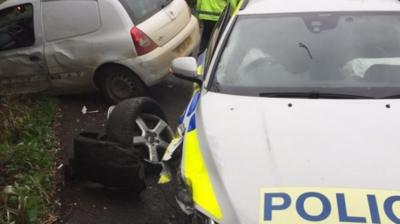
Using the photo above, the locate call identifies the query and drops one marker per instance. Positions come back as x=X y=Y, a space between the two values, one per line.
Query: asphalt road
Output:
x=85 y=203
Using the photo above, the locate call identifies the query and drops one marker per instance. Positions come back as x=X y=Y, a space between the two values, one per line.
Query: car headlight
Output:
x=197 y=178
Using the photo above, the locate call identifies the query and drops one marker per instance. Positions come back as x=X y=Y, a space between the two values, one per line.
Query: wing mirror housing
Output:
x=186 y=68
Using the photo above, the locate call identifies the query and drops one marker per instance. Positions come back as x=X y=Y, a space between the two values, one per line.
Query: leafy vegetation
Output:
x=27 y=159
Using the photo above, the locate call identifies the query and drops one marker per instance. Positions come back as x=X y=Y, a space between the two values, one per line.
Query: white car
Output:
x=118 y=46
x=296 y=117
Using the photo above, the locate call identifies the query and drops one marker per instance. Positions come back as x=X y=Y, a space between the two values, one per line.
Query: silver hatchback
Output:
x=70 y=46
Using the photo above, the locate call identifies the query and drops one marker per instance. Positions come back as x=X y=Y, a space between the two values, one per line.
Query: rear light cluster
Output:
x=143 y=43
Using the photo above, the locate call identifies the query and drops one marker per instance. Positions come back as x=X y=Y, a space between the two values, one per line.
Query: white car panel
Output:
x=167 y=23
x=58 y=19
x=252 y=143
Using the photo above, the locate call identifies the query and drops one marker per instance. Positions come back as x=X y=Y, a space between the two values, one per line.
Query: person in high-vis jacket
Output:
x=209 y=12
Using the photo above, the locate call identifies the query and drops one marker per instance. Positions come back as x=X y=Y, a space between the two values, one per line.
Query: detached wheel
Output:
x=141 y=123
x=120 y=83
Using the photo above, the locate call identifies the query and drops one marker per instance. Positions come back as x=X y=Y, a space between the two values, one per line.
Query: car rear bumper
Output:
x=154 y=66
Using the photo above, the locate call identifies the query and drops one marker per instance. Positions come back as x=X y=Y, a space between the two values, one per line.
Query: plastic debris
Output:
x=86 y=111
x=165 y=175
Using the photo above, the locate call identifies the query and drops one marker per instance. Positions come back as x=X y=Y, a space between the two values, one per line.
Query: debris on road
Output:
x=86 y=111
x=107 y=163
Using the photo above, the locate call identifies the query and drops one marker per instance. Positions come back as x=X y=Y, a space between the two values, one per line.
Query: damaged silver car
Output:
x=66 y=46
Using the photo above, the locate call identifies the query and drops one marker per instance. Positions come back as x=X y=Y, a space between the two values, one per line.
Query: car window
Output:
x=16 y=27
x=140 y=10
x=59 y=24
x=353 y=53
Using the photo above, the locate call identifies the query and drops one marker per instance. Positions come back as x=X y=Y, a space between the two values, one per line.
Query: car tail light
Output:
x=142 y=42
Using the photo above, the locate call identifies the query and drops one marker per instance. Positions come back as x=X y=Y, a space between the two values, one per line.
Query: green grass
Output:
x=27 y=159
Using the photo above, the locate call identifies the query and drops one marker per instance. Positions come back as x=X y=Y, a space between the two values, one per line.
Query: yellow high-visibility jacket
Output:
x=210 y=9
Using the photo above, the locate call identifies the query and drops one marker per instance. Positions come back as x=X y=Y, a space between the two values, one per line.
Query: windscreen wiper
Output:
x=301 y=45
x=313 y=95
x=395 y=96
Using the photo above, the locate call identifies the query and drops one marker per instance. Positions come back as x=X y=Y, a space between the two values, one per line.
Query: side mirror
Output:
x=186 y=68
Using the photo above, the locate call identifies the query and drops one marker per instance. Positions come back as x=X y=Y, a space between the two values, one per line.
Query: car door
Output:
x=22 y=65
x=74 y=45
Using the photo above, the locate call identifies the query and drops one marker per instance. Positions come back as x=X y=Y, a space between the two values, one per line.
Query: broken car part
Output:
x=140 y=122
x=108 y=163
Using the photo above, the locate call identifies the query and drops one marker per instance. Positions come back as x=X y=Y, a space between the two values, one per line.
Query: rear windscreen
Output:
x=140 y=10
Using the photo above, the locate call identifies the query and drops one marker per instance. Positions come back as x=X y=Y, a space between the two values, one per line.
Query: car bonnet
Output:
x=250 y=144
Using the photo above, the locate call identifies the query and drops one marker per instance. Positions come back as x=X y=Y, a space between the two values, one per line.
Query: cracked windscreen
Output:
x=349 y=53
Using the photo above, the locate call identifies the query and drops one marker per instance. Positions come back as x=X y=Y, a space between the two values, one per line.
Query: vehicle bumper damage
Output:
x=173 y=174
x=120 y=166
x=136 y=133
x=107 y=163
x=21 y=79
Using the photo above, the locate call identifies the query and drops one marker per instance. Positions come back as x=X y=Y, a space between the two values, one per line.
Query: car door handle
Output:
x=34 y=58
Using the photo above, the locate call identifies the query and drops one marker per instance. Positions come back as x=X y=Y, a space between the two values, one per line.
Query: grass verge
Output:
x=27 y=159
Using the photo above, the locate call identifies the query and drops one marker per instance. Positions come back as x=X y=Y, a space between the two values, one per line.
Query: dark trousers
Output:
x=208 y=27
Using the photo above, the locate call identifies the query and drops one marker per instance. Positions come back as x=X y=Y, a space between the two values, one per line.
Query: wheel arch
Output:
x=100 y=73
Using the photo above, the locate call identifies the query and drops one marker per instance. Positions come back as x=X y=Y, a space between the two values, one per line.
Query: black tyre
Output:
x=119 y=83
x=140 y=122
x=108 y=163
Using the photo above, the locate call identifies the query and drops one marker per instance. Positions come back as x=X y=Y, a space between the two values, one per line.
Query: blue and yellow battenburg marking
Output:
x=328 y=205
x=195 y=171
x=197 y=176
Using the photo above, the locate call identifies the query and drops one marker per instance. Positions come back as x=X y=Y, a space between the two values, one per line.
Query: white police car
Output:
x=297 y=117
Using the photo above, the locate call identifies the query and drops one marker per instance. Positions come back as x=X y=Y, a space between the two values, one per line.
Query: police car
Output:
x=296 y=116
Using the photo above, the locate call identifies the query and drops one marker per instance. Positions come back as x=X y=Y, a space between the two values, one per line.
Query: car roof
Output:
x=299 y=6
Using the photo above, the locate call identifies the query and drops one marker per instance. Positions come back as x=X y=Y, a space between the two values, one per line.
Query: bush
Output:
x=27 y=161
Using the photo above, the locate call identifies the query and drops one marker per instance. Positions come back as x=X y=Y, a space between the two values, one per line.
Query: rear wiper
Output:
x=313 y=95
